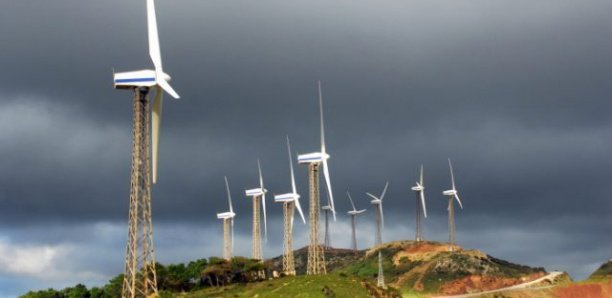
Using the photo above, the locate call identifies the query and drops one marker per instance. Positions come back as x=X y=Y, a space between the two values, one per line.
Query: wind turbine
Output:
x=421 y=209
x=290 y=201
x=259 y=196
x=380 y=219
x=228 y=223
x=452 y=194
x=316 y=257
x=353 y=213
x=140 y=277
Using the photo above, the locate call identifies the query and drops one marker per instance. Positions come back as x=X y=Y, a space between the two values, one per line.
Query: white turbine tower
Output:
x=290 y=201
x=140 y=278
x=228 y=226
x=259 y=199
x=326 y=210
x=452 y=195
x=421 y=209
x=353 y=213
x=316 y=256
x=380 y=218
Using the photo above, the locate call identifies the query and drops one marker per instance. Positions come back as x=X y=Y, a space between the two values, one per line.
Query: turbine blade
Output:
x=421 y=180
x=263 y=201
x=291 y=220
x=351 y=199
x=423 y=203
x=299 y=208
x=293 y=188
x=458 y=200
x=329 y=189
x=384 y=191
x=371 y=195
x=229 y=196
x=321 y=114
x=382 y=217
x=450 y=166
x=155 y=130
x=166 y=86
x=154 y=50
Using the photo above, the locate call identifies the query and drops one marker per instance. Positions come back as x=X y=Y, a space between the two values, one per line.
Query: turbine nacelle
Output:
x=355 y=212
x=287 y=197
x=150 y=78
x=315 y=157
x=226 y=215
x=418 y=187
x=255 y=192
x=327 y=207
x=450 y=192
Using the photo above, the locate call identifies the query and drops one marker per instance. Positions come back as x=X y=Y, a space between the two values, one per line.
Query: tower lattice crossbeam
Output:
x=288 y=259
x=140 y=278
x=381 y=276
x=256 y=244
x=316 y=256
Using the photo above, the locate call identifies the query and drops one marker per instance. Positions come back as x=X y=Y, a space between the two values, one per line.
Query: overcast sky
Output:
x=517 y=93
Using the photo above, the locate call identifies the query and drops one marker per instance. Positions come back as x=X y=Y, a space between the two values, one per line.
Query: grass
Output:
x=331 y=285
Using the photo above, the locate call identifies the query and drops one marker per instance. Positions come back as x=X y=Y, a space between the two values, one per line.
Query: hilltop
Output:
x=603 y=272
x=335 y=258
x=429 y=267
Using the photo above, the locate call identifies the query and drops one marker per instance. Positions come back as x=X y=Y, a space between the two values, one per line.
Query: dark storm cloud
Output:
x=515 y=92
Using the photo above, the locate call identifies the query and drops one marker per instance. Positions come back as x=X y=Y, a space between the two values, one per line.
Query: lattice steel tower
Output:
x=228 y=226
x=316 y=252
x=288 y=258
x=316 y=256
x=139 y=272
x=290 y=202
x=381 y=275
x=259 y=200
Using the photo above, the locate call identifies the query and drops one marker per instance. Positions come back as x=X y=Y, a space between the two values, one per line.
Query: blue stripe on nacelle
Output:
x=135 y=80
x=310 y=159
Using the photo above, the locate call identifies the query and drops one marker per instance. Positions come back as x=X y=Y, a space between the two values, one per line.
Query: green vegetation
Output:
x=420 y=269
x=331 y=285
x=172 y=278
x=604 y=272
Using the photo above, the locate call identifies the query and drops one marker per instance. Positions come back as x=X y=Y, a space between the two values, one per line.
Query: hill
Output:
x=429 y=267
x=604 y=272
x=411 y=269
x=335 y=258
x=330 y=285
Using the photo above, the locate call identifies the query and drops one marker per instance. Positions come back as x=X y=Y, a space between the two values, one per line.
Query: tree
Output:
x=114 y=287
x=78 y=291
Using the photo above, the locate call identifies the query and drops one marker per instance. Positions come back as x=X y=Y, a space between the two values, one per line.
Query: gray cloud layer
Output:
x=515 y=92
